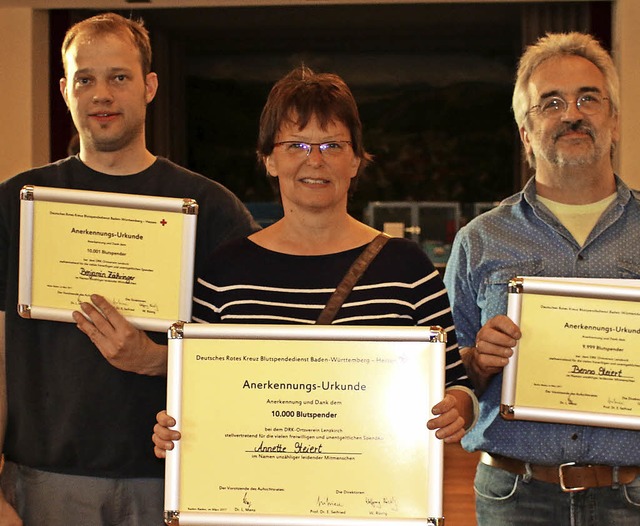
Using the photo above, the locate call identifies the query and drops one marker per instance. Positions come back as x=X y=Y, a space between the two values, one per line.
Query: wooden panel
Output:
x=459 y=499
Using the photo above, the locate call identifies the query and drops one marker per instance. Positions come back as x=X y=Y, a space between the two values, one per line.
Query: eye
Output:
x=553 y=105
x=121 y=77
x=297 y=147
x=331 y=146
x=589 y=99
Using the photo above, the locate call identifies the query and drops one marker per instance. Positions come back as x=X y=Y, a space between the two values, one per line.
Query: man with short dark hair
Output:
x=75 y=421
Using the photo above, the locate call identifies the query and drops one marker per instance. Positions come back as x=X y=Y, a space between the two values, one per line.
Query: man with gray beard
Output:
x=574 y=218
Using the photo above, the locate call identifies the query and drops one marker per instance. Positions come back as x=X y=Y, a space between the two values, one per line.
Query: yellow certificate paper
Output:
x=577 y=360
x=315 y=425
x=136 y=251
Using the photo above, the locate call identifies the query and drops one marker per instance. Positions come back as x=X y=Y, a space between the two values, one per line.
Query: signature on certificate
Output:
x=246 y=505
x=326 y=502
x=383 y=503
x=619 y=402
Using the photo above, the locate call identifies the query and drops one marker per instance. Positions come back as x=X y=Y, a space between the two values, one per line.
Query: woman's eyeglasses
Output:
x=303 y=149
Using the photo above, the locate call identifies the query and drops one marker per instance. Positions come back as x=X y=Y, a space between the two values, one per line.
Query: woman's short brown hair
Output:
x=301 y=95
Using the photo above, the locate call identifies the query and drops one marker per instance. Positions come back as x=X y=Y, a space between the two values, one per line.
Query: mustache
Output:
x=577 y=126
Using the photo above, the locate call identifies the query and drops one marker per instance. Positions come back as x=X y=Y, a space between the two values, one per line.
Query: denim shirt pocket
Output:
x=492 y=295
x=628 y=269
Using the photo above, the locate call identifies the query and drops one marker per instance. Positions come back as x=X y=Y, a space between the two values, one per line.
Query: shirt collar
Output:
x=624 y=193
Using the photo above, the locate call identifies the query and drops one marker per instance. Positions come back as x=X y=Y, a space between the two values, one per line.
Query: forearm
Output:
x=479 y=380
x=154 y=362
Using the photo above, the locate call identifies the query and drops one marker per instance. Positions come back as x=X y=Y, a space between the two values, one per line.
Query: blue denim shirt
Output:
x=521 y=237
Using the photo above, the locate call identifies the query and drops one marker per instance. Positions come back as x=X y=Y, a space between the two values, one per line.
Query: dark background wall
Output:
x=433 y=83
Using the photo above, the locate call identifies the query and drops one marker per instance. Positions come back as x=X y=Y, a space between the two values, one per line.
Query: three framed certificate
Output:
x=304 y=425
x=577 y=361
x=135 y=250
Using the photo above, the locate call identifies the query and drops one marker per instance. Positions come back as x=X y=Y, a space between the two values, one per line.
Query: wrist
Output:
x=470 y=406
x=479 y=379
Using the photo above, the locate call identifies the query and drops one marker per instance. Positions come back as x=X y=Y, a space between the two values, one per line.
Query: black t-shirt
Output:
x=70 y=411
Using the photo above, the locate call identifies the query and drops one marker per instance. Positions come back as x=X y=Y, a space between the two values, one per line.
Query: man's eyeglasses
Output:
x=303 y=149
x=588 y=104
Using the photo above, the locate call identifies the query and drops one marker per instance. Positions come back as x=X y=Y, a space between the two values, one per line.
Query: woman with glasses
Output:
x=310 y=142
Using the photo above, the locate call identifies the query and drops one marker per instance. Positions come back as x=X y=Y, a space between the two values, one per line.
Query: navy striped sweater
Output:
x=245 y=283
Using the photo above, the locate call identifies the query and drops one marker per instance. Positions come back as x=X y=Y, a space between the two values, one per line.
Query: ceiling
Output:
x=423 y=25
x=147 y=4
x=348 y=28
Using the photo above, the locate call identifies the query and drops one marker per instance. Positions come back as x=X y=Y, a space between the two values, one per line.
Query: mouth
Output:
x=573 y=136
x=103 y=116
x=310 y=180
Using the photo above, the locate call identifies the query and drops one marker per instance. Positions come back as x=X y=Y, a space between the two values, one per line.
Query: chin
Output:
x=108 y=146
x=576 y=161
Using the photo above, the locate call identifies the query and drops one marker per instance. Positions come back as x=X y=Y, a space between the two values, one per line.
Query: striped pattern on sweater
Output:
x=245 y=283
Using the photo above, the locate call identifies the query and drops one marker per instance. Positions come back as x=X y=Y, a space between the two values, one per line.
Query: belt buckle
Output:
x=561 y=477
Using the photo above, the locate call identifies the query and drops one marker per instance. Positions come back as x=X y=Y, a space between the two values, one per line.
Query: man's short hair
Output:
x=112 y=23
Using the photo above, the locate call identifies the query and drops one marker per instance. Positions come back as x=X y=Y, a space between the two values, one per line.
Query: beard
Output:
x=110 y=142
x=572 y=152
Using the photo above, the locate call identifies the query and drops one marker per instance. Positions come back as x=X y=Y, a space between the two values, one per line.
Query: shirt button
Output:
x=574 y=436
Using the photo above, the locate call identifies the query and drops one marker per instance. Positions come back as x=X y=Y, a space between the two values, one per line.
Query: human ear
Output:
x=63 y=90
x=526 y=141
x=151 y=86
x=270 y=165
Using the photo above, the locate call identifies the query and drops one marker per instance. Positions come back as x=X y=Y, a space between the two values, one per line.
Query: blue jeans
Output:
x=42 y=498
x=505 y=499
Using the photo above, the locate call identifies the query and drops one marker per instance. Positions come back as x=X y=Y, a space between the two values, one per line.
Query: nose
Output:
x=102 y=93
x=314 y=157
x=572 y=112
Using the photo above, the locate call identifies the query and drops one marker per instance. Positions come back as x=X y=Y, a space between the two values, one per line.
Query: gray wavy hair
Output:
x=562 y=44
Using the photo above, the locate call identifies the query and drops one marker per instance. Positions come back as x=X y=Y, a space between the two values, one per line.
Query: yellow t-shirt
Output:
x=579 y=220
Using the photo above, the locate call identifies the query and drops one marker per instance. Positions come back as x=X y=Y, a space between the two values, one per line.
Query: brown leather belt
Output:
x=570 y=476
